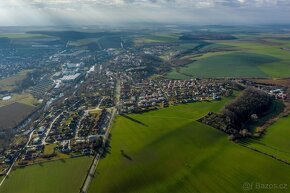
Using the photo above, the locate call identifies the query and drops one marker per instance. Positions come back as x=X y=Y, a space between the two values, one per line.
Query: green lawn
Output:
x=49 y=149
x=65 y=176
x=169 y=151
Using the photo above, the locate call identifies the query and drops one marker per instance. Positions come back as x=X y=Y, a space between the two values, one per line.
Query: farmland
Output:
x=57 y=176
x=11 y=82
x=276 y=141
x=238 y=64
x=248 y=56
x=22 y=35
x=169 y=151
x=13 y=114
x=24 y=98
x=157 y=38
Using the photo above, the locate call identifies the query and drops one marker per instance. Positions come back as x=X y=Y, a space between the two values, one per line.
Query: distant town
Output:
x=60 y=96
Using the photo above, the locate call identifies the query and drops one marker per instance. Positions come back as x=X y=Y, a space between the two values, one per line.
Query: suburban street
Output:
x=97 y=158
x=11 y=166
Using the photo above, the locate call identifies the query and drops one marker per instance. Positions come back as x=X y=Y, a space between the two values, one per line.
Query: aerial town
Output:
x=62 y=93
x=77 y=102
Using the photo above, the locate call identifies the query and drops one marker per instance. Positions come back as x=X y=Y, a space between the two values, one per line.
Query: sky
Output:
x=94 y=12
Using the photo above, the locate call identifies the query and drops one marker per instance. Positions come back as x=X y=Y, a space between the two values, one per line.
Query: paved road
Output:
x=16 y=158
x=96 y=160
x=49 y=129
x=91 y=173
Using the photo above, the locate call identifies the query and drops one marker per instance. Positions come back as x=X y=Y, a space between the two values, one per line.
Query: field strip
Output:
x=270 y=147
x=167 y=117
x=266 y=154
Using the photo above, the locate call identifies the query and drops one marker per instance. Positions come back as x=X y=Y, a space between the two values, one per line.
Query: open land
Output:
x=60 y=176
x=11 y=82
x=275 y=142
x=265 y=58
x=83 y=78
x=167 y=150
x=11 y=115
x=22 y=35
x=24 y=98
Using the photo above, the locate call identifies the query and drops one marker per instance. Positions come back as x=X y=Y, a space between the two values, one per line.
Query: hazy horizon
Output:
x=91 y=12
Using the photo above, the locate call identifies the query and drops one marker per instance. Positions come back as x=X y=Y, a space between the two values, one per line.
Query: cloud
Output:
x=56 y=12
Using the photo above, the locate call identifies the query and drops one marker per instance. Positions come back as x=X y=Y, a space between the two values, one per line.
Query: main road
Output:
x=96 y=160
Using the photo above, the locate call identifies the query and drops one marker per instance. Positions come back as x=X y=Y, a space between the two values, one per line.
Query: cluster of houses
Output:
x=70 y=127
x=94 y=123
x=153 y=94
x=126 y=59
x=276 y=91
x=142 y=96
x=156 y=49
x=184 y=91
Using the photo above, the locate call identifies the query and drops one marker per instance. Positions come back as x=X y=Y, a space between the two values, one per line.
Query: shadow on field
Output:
x=106 y=148
x=62 y=160
x=134 y=120
x=126 y=155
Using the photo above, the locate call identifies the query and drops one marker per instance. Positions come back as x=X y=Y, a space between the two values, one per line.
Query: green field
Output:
x=276 y=140
x=11 y=82
x=276 y=69
x=169 y=151
x=278 y=134
x=64 y=176
x=158 y=38
x=261 y=55
x=22 y=35
x=237 y=64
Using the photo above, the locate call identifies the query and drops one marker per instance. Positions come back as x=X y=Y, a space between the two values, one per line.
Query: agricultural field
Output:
x=169 y=151
x=24 y=98
x=276 y=69
x=248 y=56
x=276 y=140
x=11 y=115
x=61 y=176
x=238 y=64
x=157 y=38
x=10 y=83
x=22 y=35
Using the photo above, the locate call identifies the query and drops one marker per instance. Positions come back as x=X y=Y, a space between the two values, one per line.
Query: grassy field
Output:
x=261 y=55
x=237 y=64
x=275 y=69
x=22 y=35
x=278 y=134
x=49 y=149
x=24 y=98
x=276 y=140
x=169 y=151
x=11 y=82
x=158 y=38
x=53 y=177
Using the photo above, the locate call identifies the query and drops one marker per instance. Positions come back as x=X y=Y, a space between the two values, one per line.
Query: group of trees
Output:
x=236 y=116
x=251 y=103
